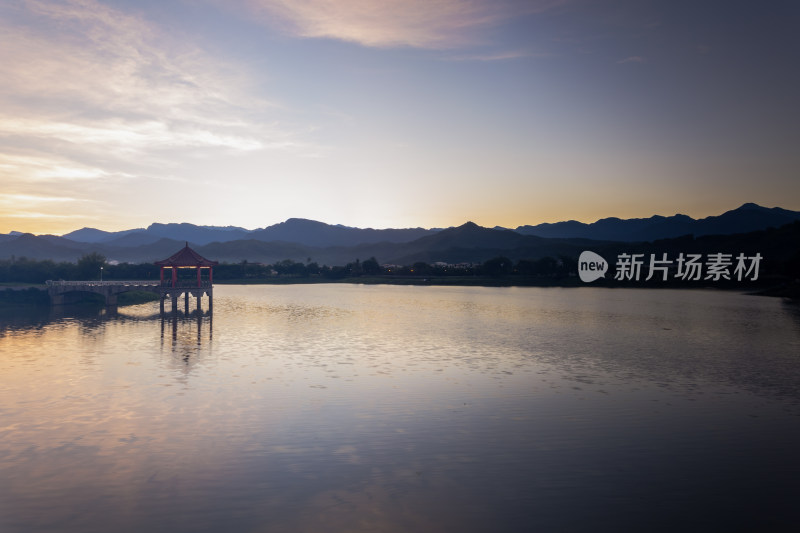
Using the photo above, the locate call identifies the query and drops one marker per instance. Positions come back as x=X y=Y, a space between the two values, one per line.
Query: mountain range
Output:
x=296 y=230
x=301 y=239
x=748 y=217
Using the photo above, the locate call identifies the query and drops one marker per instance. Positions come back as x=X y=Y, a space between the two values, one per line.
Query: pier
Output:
x=109 y=289
x=185 y=273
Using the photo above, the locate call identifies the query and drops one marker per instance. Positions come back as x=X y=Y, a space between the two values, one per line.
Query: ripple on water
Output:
x=346 y=408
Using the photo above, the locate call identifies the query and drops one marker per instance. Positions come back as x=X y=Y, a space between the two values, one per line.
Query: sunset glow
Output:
x=117 y=114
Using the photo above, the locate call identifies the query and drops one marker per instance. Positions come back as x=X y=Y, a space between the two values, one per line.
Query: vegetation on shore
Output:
x=93 y=266
x=27 y=297
x=776 y=278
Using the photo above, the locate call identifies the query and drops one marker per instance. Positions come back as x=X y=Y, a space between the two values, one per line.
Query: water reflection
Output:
x=347 y=408
x=188 y=334
x=89 y=316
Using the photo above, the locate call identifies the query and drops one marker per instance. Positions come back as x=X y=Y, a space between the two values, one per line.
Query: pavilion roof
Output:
x=186 y=257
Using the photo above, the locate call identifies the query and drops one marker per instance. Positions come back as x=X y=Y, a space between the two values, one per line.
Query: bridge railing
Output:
x=127 y=283
x=186 y=284
x=167 y=284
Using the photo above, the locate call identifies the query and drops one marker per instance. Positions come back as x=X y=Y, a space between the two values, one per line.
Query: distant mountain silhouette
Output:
x=138 y=238
x=256 y=251
x=471 y=235
x=96 y=235
x=197 y=234
x=42 y=247
x=778 y=248
x=301 y=240
x=468 y=243
x=296 y=230
x=748 y=217
x=313 y=233
x=471 y=243
x=464 y=244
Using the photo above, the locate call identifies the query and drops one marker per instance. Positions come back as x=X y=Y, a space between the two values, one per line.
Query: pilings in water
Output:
x=204 y=324
x=175 y=293
x=110 y=290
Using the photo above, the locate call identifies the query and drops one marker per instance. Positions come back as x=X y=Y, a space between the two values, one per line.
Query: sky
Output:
x=396 y=113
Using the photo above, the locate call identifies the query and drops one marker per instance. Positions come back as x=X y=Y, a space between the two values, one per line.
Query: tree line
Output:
x=94 y=265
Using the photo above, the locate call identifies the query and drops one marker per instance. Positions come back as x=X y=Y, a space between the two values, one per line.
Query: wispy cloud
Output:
x=30 y=199
x=91 y=92
x=36 y=206
x=432 y=24
x=125 y=135
x=497 y=56
x=36 y=169
x=124 y=82
x=632 y=59
x=38 y=215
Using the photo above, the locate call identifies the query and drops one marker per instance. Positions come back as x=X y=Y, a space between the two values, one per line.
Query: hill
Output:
x=302 y=240
x=746 y=218
x=296 y=230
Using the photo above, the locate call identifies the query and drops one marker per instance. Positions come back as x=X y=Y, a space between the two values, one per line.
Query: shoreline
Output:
x=779 y=288
x=32 y=296
x=28 y=295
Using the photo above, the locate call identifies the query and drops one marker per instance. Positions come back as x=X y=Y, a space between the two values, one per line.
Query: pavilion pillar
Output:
x=174 y=277
x=198 y=277
x=162 y=275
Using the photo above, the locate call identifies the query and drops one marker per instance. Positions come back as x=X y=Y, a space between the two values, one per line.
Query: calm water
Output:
x=392 y=409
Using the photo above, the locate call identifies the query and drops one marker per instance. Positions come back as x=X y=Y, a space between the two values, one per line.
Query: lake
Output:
x=305 y=408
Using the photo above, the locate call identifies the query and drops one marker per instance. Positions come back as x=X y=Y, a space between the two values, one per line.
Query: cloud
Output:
x=498 y=56
x=107 y=66
x=36 y=215
x=30 y=199
x=37 y=206
x=432 y=24
x=125 y=136
x=90 y=92
x=38 y=169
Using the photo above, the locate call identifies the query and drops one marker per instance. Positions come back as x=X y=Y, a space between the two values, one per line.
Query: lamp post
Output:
x=101 y=274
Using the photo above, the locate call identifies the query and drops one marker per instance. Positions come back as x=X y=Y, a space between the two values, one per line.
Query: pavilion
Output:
x=176 y=284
